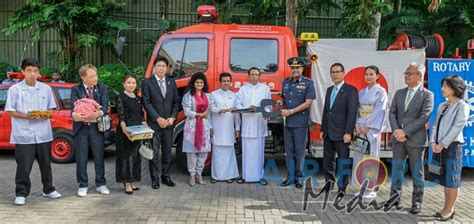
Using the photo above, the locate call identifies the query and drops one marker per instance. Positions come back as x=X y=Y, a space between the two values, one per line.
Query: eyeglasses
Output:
x=335 y=72
x=409 y=73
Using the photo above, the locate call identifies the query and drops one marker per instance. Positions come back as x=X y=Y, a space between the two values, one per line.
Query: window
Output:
x=260 y=53
x=64 y=97
x=3 y=98
x=186 y=56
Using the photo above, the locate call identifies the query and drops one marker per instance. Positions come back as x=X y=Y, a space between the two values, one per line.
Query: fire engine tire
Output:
x=62 y=150
x=182 y=161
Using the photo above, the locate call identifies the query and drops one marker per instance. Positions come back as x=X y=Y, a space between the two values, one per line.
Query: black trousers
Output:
x=331 y=148
x=87 y=136
x=295 y=145
x=162 y=142
x=25 y=155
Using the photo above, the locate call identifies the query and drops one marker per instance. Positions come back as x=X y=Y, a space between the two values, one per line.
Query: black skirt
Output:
x=451 y=161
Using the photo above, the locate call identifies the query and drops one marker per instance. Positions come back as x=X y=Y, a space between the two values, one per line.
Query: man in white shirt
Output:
x=254 y=128
x=31 y=133
x=226 y=126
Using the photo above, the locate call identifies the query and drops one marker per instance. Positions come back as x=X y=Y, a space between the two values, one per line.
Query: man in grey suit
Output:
x=409 y=113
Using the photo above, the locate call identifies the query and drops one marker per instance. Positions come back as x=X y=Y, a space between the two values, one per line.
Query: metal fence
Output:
x=144 y=13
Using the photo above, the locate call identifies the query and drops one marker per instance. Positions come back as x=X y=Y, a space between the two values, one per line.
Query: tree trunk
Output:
x=376 y=29
x=291 y=16
x=397 y=6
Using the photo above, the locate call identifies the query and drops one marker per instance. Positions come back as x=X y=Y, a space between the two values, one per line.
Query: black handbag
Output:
x=436 y=167
x=360 y=144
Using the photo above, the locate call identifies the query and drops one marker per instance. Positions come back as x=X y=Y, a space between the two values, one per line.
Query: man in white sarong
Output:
x=254 y=128
x=226 y=127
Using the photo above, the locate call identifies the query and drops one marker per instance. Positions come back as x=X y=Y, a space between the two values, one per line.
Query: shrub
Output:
x=47 y=71
x=112 y=75
x=4 y=68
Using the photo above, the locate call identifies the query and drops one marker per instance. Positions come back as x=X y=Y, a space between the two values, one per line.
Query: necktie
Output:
x=162 y=87
x=333 y=96
x=89 y=92
x=408 y=99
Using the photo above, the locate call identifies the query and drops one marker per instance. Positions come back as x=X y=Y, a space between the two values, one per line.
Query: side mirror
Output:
x=119 y=46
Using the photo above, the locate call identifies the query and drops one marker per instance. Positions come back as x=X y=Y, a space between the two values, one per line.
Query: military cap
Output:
x=297 y=61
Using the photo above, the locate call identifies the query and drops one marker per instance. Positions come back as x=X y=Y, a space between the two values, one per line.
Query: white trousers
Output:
x=196 y=162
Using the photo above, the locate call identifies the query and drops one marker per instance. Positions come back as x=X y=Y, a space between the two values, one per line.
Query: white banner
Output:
x=359 y=43
x=392 y=65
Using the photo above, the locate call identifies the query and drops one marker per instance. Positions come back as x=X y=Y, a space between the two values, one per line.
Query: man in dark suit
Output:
x=86 y=132
x=162 y=103
x=409 y=113
x=338 y=123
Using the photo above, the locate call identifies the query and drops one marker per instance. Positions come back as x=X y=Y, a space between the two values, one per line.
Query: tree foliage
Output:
x=79 y=24
x=359 y=17
x=263 y=11
x=453 y=19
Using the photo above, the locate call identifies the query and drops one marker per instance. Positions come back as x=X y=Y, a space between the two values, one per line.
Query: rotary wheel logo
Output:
x=373 y=170
x=469 y=97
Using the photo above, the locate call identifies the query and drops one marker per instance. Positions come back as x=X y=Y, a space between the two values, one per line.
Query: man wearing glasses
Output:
x=337 y=127
x=298 y=94
x=409 y=113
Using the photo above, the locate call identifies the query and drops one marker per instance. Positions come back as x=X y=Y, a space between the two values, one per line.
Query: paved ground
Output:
x=211 y=203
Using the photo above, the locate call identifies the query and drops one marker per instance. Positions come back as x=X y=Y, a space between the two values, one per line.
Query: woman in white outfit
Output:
x=197 y=135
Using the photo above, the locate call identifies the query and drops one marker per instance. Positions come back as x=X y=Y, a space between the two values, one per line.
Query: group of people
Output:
x=214 y=120
x=369 y=114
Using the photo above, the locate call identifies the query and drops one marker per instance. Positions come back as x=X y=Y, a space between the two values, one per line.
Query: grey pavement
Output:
x=211 y=203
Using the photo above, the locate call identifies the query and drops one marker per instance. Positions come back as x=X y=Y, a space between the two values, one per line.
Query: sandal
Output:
x=240 y=181
x=213 y=181
x=229 y=181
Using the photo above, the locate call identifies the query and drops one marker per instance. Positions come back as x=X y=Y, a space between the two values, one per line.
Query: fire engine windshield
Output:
x=260 y=53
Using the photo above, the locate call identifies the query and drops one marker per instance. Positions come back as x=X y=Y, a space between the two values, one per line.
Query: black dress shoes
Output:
x=393 y=204
x=155 y=184
x=298 y=183
x=285 y=183
x=167 y=181
x=415 y=209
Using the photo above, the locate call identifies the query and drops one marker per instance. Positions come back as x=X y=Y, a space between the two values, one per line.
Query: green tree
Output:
x=296 y=9
x=266 y=11
x=362 y=18
x=79 y=24
x=453 y=19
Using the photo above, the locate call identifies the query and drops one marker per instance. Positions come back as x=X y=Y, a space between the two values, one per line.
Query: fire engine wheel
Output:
x=182 y=161
x=62 y=150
